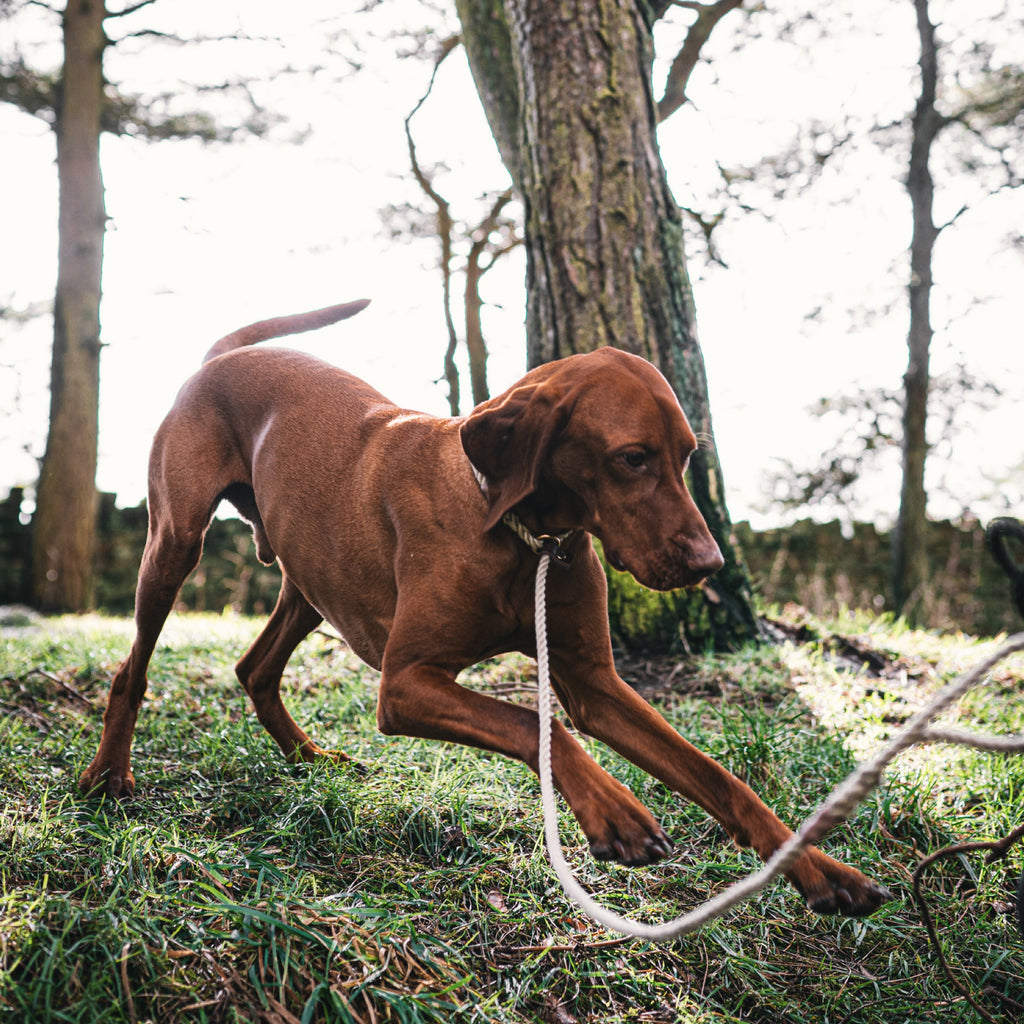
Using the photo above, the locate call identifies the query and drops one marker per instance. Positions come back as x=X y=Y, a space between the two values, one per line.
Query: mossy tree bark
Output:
x=567 y=90
x=64 y=525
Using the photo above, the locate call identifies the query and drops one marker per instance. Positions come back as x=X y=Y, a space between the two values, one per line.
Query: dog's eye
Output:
x=635 y=458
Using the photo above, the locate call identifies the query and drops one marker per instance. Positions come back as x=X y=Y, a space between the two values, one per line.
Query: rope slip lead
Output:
x=840 y=804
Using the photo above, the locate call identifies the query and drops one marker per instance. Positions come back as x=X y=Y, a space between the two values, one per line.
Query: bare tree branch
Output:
x=29 y=90
x=476 y=267
x=444 y=229
x=708 y=16
x=130 y=9
x=998 y=849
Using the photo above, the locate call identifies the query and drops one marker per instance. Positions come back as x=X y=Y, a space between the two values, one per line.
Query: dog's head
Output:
x=598 y=438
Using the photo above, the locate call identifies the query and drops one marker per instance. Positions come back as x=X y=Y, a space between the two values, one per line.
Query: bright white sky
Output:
x=205 y=239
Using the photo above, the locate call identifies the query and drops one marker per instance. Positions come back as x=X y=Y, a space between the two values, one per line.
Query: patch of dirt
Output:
x=32 y=696
x=653 y=676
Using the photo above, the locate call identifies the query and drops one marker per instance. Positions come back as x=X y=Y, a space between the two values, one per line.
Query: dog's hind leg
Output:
x=260 y=668
x=173 y=548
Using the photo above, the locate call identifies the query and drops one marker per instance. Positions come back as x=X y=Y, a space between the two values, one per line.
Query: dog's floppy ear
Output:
x=507 y=439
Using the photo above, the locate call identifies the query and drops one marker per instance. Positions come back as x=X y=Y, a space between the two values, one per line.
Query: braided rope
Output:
x=839 y=805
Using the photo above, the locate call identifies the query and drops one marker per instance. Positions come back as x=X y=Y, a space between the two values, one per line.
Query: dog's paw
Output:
x=308 y=752
x=343 y=760
x=834 y=888
x=865 y=899
x=635 y=851
x=357 y=768
x=620 y=828
x=99 y=781
x=314 y=755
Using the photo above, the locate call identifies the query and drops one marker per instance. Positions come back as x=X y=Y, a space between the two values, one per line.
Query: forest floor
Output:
x=235 y=887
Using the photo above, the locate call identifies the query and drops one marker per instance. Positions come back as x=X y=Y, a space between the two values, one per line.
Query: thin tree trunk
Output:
x=65 y=519
x=605 y=262
x=476 y=347
x=910 y=553
x=482 y=257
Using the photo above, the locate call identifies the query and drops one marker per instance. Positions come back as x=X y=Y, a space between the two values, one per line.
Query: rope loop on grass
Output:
x=836 y=808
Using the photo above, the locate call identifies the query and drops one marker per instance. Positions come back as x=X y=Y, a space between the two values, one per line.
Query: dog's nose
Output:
x=702 y=555
x=708 y=560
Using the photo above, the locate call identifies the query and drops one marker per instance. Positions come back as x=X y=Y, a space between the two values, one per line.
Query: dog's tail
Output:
x=279 y=326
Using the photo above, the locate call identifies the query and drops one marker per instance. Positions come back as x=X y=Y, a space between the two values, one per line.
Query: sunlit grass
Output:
x=235 y=887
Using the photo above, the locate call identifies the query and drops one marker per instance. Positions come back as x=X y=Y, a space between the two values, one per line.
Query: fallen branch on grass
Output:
x=998 y=849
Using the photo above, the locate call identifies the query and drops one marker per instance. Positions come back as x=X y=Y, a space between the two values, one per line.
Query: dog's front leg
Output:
x=424 y=700
x=603 y=706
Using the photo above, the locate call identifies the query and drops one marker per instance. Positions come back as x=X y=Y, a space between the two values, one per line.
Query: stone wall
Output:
x=824 y=568
x=816 y=565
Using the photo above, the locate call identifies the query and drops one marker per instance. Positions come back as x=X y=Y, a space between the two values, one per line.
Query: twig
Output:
x=997 y=851
x=997 y=744
x=124 y=981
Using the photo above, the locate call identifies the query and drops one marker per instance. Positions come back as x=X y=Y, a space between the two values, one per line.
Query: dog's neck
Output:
x=539 y=543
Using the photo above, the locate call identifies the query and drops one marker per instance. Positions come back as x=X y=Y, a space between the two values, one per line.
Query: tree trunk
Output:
x=910 y=555
x=65 y=519
x=476 y=347
x=605 y=261
x=482 y=257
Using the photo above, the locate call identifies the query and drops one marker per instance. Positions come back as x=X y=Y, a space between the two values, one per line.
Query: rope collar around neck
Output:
x=540 y=544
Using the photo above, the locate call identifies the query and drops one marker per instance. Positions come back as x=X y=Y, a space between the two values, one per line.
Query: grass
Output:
x=237 y=888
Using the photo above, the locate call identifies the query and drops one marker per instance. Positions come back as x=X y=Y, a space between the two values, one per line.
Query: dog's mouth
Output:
x=666 y=573
x=615 y=560
x=654 y=578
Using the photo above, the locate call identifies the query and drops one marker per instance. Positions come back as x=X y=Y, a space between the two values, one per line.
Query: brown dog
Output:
x=389 y=524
